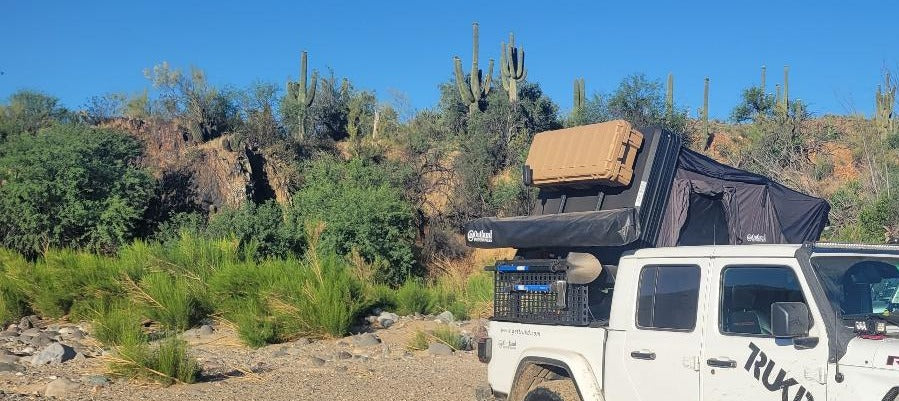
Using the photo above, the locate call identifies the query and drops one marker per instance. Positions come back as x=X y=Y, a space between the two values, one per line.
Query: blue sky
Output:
x=835 y=49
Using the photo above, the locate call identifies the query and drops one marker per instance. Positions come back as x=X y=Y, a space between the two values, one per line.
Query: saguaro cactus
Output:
x=669 y=96
x=786 y=98
x=580 y=97
x=511 y=67
x=885 y=99
x=303 y=93
x=477 y=86
x=705 y=107
x=762 y=84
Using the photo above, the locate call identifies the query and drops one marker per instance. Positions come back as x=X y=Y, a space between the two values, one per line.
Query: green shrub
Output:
x=170 y=300
x=413 y=297
x=261 y=228
x=167 y=362
x=71 y=186
x=254 y=323
x=362 y=209
x=118 y=324
x=893 y=140
x=13 y=300
x=419 y=341
x=318 y=298
x=450 y=336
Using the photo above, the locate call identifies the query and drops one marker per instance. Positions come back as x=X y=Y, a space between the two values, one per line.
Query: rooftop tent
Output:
x=708 y=197
x=676 y=197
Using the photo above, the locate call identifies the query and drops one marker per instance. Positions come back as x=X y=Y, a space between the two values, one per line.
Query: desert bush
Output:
x=361 y=210
x=170 y=300
x=167 y=362
x=207 y=110
x=260 y=226
x=28 y=111
x=71 y=186
x=414 y=297
x=118 y=323
x=445 y=334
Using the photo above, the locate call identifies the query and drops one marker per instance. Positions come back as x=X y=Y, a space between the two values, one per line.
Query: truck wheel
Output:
x=553 y=390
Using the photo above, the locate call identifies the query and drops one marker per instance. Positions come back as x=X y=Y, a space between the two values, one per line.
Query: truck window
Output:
x=667 y=297
x=747 y=293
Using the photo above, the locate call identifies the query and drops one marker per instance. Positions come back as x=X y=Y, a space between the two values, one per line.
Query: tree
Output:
x=756 y=105
x=28 y=111
x=363 y=209
x=71 y=186
x=207 y=111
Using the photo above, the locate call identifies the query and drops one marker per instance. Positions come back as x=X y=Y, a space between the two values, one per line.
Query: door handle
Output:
x=721 y=363
x=645 y=355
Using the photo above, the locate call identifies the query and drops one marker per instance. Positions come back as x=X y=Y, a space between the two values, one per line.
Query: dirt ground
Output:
x=338 y=369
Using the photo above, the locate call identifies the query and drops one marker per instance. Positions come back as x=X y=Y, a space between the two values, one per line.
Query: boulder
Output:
x=31 y=332
x=95 y=380
x=24 y=324
x=439 y=349
x=60 y=387
x=41 y=340
x=205 y=330
x=446 y=317
x=53 y=354
x=387 y=319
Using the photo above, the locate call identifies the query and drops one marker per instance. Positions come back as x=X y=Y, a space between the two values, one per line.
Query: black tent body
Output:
x=678 y=197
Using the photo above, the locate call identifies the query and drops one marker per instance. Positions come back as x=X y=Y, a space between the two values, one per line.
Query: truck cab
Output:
x=754 y=322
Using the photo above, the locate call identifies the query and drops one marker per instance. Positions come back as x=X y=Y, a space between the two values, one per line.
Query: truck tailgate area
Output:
x=578 y=349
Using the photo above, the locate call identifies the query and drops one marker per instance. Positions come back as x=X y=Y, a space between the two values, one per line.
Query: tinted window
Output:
x=668 y=297
x=747 y=294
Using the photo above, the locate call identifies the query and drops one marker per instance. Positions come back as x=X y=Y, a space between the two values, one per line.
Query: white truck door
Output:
x=741 y=359
x=653 y=353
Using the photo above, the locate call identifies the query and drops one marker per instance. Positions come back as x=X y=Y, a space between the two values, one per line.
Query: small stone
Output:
x=371 y=319
x=446 y=317
x=205 y=330
x=341 y=368
x=27 y=350
x=95 y=380
x=387 y=323
x=316 y=361
x=24 y=324
x=13 y=327
x=60 y=387
x=366 y=340
x=439 y=349
x=76 y=334
x=279 y=353
x=53 y=354
x=11 y=367
x=302 y=341
x=344 y=355
x=8 y=334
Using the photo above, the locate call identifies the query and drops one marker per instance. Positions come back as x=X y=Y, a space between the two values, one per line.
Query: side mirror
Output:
x=790 y=319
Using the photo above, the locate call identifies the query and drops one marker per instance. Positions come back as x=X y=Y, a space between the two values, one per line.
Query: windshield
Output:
x=860 y=285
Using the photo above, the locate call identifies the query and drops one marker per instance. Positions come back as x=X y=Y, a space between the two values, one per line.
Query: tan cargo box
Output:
x=598 y=153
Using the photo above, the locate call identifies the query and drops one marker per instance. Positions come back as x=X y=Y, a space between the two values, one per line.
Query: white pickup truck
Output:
x=751 y=322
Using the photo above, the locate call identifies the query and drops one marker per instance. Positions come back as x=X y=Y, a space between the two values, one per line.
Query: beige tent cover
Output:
x=601 y=153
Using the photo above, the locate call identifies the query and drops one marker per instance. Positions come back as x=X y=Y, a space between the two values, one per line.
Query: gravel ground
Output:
x=341 y=369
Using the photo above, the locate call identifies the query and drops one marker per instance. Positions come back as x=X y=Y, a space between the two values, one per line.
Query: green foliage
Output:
x=13 y=299
x=104 y=108
x=756 y=105
x=118 y=324
x=71 y=186
x=413 y=297
x=263 y=227
x=28 y=112
x=169 y=300
x=419 y=341
x=362 y=209
x=167 y=362
x=208 y=111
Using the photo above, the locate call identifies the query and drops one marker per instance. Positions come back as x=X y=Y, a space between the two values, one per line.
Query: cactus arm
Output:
x=464 y=89
x=488 y=78
x=310 y=93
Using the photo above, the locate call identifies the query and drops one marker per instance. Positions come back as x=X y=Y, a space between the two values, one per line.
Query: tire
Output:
x=553 y=390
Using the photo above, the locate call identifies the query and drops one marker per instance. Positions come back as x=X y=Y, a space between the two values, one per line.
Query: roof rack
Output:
x=848 y=246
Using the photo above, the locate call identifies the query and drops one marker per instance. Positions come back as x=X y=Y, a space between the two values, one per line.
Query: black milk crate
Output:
x=542 y=297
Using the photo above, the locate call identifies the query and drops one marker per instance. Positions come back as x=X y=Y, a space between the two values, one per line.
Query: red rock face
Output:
x=221 y=173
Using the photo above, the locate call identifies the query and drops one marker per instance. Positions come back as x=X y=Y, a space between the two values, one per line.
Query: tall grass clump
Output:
x=13 y=300
x=444 y=334
x=118 y=324
x=168 y=362
x=414 y=297
x=170 y=300
x=319 y=297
